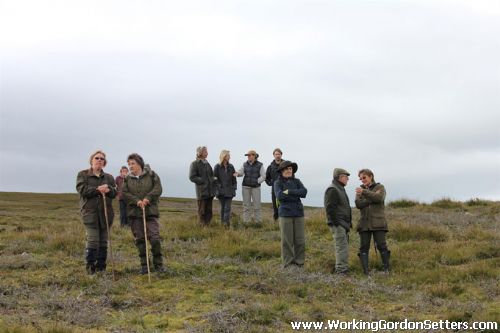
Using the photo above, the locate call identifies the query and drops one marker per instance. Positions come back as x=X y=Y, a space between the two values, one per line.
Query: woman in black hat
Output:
x=288 y=191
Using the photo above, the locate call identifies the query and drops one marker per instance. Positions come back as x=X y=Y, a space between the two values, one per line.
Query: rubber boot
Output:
x=141 y=247
x=90 y=258
x=363 y=257
x=386 y=255
x=102 y=255
x=157 y=256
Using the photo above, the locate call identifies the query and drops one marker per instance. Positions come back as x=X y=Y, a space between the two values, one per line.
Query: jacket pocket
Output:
x=378 y=220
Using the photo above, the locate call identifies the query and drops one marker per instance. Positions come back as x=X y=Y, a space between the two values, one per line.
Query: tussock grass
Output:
x=403 y=203
x=403 y=232
x=445 y=265
x=477 y=202
x=447 y=203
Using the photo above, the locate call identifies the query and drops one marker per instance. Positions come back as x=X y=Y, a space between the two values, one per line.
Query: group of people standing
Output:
x=221 y=182
x=140 y=189
x=287 y=191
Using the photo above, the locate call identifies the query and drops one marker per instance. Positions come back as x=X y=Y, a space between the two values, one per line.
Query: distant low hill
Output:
x=445 y=259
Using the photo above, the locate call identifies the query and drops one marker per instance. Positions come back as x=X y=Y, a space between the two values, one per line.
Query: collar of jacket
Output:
x=147 y=169
x=371 y=186
x=91 y=173
x=288 y=178
x=335 y=181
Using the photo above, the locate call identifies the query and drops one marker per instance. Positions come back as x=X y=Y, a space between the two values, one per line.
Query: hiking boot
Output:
x=363 y=257
x=160 y=269
x=386 y=255
x=90 y=258
x=144 y=270
x=102 y=255
x=91 y=269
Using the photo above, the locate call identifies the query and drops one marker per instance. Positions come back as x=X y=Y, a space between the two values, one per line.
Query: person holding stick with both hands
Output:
x=141 y=190
x=95 y=186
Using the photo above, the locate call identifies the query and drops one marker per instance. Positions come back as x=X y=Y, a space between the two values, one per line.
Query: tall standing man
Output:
x=339 y=219
x=123 y=205
x=202 y=174
x=254 y=174
x=272 y=173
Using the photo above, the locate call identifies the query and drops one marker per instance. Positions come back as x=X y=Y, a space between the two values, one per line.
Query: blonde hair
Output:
x=223 y=155
x=97 y=152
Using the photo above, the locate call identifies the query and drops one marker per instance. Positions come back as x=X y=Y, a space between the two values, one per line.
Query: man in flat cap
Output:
x=339 y=219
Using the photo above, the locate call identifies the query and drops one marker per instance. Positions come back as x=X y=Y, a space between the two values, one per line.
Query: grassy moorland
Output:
x=446 y=265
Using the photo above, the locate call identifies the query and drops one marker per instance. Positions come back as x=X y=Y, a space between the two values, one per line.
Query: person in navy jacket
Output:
x=288 y=191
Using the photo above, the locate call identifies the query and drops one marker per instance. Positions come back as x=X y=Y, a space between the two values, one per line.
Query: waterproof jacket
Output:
x=289 y=205
x=272 y=173
x=338 y=209
x=201 y=173
x=371 y=205
x=91 y=201
x=225 y=182
x=145 y=186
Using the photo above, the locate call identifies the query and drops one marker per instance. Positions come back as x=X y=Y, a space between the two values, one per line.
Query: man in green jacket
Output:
x=339 y=219
x=202 y=174
x=142 y=189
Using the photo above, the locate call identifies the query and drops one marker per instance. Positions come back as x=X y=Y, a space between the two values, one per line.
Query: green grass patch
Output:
x=403 y=203
x=445 y=265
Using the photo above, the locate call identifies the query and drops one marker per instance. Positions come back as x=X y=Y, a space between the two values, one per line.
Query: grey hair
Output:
x=199 y=150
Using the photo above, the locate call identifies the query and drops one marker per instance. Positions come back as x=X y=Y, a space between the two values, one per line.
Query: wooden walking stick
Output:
x=109 y=236
x=146 y=240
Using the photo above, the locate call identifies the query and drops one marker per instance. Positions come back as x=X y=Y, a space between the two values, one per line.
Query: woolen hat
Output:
x=339 y=171
x=286 y=164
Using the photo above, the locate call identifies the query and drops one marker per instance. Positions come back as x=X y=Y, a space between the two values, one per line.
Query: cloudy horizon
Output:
x=409 y=89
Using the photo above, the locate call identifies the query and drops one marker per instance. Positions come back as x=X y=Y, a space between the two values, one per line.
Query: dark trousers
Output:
x=205 y=211
x=123 y=213
x=275 y=206
x=225 y=210
x=153 y=234
x=378 y=237
x=152 y=228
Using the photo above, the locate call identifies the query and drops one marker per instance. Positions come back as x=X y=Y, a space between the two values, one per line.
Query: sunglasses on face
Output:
x=99 y=158
x=362 y=178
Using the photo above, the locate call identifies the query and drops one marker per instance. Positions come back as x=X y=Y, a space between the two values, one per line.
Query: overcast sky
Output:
x=410 y=89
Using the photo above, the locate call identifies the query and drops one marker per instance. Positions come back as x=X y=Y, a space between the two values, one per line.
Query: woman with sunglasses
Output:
x=92 y=184
x=370 y=197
